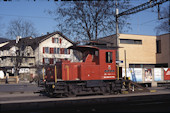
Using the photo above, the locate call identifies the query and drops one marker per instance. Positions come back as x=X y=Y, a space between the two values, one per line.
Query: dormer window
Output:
x=56 y=40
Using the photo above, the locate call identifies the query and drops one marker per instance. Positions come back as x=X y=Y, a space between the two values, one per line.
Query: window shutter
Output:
x=51 y=61
x=43 y=49
x=61 y=51
x=52 y=40
x=68 y=51
x=51 y=50
x=60 y=40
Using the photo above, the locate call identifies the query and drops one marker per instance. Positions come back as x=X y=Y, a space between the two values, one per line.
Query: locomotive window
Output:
x=108 y=57
x=96 y=53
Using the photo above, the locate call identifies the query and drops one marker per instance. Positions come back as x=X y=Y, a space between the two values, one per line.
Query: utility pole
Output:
x=117 y=33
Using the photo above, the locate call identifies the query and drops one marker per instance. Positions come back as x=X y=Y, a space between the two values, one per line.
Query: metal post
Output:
x=125 y=64
x=43 y=74
x=55 y=74
x=117 y=72
x=117 y=32
x=117 y=37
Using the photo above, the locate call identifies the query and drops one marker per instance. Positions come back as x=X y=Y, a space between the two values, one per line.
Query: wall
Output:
x=164 y=56
x=48 y=43
x=138 y=53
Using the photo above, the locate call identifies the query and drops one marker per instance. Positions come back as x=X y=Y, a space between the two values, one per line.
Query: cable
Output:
x=27 y=16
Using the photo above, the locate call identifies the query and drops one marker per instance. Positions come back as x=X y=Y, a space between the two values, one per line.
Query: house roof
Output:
x=8 y=45
x=44 y=37
x=107 y=39
x=2 y=40
x=33 y=42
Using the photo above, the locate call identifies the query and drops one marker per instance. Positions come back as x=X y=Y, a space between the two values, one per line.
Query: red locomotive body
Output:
x=98 y=64
x=95 y=73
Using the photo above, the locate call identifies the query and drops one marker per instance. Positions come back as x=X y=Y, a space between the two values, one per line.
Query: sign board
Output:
x=119 y=61
x=22 y=70
x=157 y=74
x=135 y=74
x=166 y=73
x=148 y=75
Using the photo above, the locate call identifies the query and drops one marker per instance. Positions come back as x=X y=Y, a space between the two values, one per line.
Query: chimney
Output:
x=17 y=39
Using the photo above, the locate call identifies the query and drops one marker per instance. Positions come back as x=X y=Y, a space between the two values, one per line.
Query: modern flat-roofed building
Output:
x=141 y=50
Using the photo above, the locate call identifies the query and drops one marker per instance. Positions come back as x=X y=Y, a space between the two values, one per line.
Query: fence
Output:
x=11 y=80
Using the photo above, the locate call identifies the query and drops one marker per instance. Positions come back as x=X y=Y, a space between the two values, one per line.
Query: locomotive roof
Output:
x=83 y=48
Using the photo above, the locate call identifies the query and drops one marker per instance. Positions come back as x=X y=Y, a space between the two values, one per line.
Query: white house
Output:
x=34 y=53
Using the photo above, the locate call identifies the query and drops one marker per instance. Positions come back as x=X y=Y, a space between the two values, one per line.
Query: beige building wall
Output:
x=164 y=55
x=144 y=53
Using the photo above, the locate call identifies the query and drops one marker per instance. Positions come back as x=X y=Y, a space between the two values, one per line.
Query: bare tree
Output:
x=1 y=28
x=89 y=19
x=21 y=28
x=163 y=27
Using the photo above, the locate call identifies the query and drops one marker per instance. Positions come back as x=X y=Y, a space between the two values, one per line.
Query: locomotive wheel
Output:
x=104 y=91
x=116 y=92
x=72 y=91
x=72 y=94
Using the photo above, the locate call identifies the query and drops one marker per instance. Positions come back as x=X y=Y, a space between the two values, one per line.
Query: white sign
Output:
x=1 y=74
x=119 y=61
x=24 y=70
x=157 y=74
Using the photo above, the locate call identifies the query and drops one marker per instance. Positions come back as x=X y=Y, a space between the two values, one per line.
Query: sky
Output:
x=142 y=23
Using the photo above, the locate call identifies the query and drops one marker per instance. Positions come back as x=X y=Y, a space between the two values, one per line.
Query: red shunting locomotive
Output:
x=94 y=74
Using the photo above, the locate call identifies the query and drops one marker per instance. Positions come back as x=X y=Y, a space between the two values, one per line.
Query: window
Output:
x=56 y=60
x=55 y=50
x=108 y=57
x=158 y=46
x=28 y=54
x=55 y=40
x=11 y=59
x=45 y=50
x=46 y=61
x=130 y=41
x=65 y=51
x=96 y=53
x=30 y=63
x=58 y=50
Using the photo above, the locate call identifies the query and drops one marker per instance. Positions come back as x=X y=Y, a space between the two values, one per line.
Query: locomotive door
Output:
x=120 y=72
x=67 y=72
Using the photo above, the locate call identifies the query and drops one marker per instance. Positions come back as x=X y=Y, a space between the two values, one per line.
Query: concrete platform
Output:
x=38 y=103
